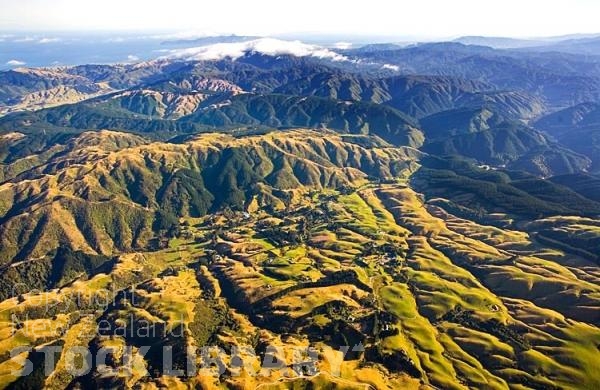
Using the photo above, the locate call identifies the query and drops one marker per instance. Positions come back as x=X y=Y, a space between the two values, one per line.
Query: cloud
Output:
x=36 y=39
x=49 y=40
x=132 y=58
x=15 y=63
x=342 y=45
x=268 y=46
x=395 y=68
x=24 y=39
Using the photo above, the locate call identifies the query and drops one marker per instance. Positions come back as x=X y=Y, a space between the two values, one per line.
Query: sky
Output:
x=394 y=18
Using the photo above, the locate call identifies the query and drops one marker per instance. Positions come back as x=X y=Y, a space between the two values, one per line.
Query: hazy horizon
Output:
x=425 y=20
x=69 y=32
x=42 y=49
x=24 y=35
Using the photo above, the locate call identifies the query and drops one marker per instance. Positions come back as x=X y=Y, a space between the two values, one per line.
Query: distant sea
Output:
x=60 y=49
x=37 y=50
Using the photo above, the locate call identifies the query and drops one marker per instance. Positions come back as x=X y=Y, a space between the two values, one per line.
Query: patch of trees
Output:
x=332 y=279
x=37 y=378
x=335 y=310
x=337 y=334
x=395 y=361
x=209 y=317
x=58 y=268
x=586 y=246
x=386 y=249
x=283 y=236
x=494 y=190
x=166 y=224
x=231 y=177
x=185 y=193
x=492 y=326
x=68 y=265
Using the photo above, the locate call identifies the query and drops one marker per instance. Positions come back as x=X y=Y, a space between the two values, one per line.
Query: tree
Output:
x=167 y=223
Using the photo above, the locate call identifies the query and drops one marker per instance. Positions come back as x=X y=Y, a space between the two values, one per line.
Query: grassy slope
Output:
x=456 y=304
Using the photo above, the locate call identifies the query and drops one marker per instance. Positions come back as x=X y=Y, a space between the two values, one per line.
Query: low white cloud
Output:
x=132 y=58
x=49 y=40
x=395 y=68
x=342 y=45
x=24 y=39
x=35 y=39
x=15 y=63
x=268 y=46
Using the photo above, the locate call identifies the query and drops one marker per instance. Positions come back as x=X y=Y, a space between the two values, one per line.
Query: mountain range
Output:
x=436 y=205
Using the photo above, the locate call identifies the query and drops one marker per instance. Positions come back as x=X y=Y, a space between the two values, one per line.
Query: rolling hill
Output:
x=299 y=238
x=101 y=193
